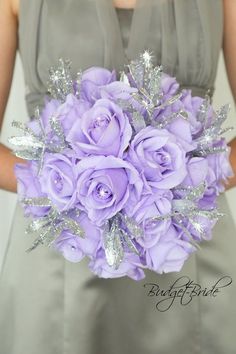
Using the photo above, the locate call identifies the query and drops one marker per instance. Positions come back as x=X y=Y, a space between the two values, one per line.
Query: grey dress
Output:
x=51 y=306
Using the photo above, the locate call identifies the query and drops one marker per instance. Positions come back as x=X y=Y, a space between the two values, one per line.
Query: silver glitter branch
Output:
x=147 y=79
x=166 y=120
x=60 y=82
x=136 y=119
x=133 y=228
x=21 y=126
x=112 y=244
x=57 y=129
x=191 y=193
x=137 y=122
x=212 y=131
x=32 y=146
x=188 y=209
x=37 y=202
x=77 y=84
x=51 y=226
x=29 y=145
x=203 y=112
x=118 y=232
x=27 y=142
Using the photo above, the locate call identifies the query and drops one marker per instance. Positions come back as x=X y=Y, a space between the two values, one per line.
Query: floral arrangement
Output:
x=124 y=171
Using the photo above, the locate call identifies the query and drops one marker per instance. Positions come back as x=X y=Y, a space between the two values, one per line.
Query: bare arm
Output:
x=8 y=45
x=229 y=50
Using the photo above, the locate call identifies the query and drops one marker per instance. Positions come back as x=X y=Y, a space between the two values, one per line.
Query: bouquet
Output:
x=123 y=171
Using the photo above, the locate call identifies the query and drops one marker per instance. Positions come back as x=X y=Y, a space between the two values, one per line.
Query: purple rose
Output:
x=71 y=111
x=219 y=170
x=179 y=126
x=104 y=186
x=73 y=247
x=197 y=168
x=181 y=129
x=68 y=245
x=206 y=228
x=117 y=90
x=198 y=171
x=58 y=180
x=159 y=155
x=49 y=110
x=102 y=130
x=220 y=165
x=92 y=80
x=101 y=83
x=209 y=199
x=28 y=186
x=150 y=206
x=169 y=254
x=67 y=113
x=192 y=106
x=169 y=86
x=130 y=266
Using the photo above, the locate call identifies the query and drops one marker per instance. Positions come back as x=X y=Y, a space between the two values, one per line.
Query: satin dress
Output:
x=51 y=306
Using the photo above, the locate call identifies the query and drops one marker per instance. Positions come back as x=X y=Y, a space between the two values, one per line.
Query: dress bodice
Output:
x=185 y=36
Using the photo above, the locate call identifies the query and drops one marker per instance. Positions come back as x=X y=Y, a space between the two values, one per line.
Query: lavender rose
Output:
x=102 y=130
x=160 y=156
x=151 y=205
x=197 y=168
x=199 y=172
x=28 y=186
x=74 y=248
x=209 y=199
x=219 y=170
x=49 y=110
x=220 y=165
x=68 y=245
x=169 y=254
x=117 y=90
x=192 y=106
x=130 y=266
x=58 y=180
x=169 y=86
x=92 y=80
x=67 y=113
x=206 y=228
x=99 y=83
x=71 y=111
x=104 y=186
x=180 y=126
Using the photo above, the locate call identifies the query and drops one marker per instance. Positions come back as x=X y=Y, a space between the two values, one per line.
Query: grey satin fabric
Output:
x=51 y=306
